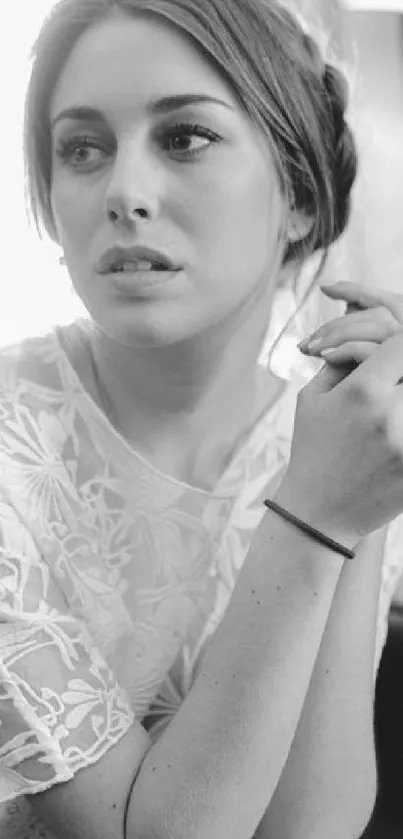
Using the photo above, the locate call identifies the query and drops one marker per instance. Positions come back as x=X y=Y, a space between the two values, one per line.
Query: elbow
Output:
x=351 y=802
x=362 y=815
x=344 y=811
x=352 y=819
x=361 y=812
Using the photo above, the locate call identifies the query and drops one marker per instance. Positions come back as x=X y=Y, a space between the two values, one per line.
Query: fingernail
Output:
x=313 y=345
x=307 y=343
x=331 y=351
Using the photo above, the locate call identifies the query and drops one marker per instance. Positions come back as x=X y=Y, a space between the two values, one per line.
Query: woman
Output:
x=177 y=658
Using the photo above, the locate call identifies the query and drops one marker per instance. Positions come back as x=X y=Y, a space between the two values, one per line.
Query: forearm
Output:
x=212 y=772
x=330 y=774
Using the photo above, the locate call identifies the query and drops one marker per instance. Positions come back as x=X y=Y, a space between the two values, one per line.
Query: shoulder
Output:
x=32 y=361
x=32 y=424
x=30 y=383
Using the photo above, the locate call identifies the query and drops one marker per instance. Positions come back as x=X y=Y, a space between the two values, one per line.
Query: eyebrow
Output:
x=161 y=106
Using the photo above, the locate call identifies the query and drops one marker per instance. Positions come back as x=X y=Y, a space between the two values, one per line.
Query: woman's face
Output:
x=200 y=175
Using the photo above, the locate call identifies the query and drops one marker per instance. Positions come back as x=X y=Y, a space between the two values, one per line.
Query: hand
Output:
x=372 y=316
x=345 y=474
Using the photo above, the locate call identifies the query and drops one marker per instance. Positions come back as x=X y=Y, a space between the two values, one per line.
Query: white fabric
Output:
x=113 y=576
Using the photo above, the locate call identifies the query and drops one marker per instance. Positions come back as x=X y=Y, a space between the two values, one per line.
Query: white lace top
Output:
x=113 y=576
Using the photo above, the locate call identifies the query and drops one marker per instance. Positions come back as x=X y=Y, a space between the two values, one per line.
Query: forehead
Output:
x=125 y=61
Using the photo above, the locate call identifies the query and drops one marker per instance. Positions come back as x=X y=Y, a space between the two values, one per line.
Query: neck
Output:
x=185 y=380
x=188 y=402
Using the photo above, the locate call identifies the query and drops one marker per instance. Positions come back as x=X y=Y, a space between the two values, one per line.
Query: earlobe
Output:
x=293 y=235
x=299 y=226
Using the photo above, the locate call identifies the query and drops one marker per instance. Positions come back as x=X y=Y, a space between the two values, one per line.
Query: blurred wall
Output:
x=370 y=45
x=375 y=44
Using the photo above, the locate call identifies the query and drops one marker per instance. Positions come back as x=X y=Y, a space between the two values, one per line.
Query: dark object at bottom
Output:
x=387 y=818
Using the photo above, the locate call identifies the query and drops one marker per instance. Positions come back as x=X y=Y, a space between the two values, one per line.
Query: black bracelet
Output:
x=316 y=534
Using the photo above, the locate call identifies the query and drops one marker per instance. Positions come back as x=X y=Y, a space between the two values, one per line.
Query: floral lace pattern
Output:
x=113 y=576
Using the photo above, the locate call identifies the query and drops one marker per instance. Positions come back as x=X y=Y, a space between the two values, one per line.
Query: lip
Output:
x=139 y=283
x=120 y=253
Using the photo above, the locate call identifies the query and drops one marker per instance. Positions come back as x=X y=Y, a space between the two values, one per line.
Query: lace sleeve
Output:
x=60 y=706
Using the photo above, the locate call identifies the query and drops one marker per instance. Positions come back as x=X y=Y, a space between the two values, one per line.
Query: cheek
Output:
x=238 y=219
x=76 y=213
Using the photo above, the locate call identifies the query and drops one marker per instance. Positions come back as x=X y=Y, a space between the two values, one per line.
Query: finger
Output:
x=357 y=351
x=327 y=377
x=374 y=325
x=365 y=297
x=383 y=369
x=327 y=328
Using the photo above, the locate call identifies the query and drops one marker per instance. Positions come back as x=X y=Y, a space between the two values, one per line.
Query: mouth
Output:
x=138 y=283
x=142 y=267
x=138 y=259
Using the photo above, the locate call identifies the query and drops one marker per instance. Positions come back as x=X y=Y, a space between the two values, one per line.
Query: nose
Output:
x=132 y=192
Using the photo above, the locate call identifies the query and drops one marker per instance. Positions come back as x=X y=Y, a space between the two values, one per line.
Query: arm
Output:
x=331 y=768
x=328 y=787
x=211 y=773
x=214 y=771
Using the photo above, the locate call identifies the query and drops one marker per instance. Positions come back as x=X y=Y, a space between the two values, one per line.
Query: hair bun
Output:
x=344 y=149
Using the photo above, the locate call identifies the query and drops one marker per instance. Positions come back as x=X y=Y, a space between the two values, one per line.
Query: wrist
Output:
x=311 y=511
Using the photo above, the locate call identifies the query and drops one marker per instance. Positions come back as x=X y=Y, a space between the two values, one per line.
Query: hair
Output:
x=278 y=74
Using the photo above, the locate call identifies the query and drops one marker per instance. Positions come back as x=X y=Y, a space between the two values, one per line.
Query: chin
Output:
x=147 y=330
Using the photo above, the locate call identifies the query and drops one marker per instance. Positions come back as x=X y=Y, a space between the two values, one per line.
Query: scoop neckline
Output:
x=81 y=325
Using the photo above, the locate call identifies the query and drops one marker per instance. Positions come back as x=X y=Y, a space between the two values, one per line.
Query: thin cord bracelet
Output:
x=311 y=531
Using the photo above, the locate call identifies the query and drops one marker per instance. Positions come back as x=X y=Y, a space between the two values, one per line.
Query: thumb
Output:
x=328 y=376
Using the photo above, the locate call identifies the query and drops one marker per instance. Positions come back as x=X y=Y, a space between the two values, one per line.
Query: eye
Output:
x=84 y=153
x=75 y=151
x=185 y=132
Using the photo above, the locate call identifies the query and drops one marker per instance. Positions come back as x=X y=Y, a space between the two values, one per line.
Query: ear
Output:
x=298 y=227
